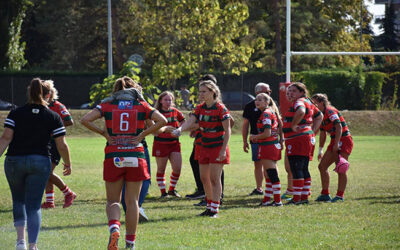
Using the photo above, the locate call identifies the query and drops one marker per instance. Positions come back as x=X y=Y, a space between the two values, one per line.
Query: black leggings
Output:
x=299 y=166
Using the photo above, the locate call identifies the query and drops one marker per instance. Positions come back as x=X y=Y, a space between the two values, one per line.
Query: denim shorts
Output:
x=254 y=151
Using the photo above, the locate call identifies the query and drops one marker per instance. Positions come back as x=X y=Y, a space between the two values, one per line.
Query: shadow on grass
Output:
x=381 y=199
x=5 y=211
x=45 y=228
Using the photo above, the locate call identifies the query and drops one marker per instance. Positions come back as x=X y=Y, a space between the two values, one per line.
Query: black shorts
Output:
x=55 y=156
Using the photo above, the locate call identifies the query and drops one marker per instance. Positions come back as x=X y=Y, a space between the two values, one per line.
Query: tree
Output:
x=388 y=39
x=11 y=47
x=183 y=38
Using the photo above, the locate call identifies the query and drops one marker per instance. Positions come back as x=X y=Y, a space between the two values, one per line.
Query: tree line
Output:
x=185 y=38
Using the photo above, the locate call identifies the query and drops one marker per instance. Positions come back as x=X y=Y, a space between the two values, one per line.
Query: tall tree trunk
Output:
x=119 y=60
x=277 y=27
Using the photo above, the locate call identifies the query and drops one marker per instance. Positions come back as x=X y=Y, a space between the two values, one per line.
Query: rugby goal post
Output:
x=289 y=53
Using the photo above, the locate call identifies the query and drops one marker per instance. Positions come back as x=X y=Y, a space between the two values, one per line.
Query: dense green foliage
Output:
x=178 y=38
x=373 y=90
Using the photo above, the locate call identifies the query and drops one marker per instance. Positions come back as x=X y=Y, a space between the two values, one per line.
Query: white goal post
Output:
x=289 y=53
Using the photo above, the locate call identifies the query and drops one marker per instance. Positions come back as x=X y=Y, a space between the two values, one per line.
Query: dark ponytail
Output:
x=37 y=91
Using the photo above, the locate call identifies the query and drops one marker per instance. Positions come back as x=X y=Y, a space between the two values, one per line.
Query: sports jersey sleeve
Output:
x=63 y=112
x=224 y=115
x=299 y=104
x=180 y=116
x=100 y=107
x=247 y=112
x=58 y=128
x=10 y=121
x=196 y=112
x=266 y=120
x=148 y=109
x=333 y=116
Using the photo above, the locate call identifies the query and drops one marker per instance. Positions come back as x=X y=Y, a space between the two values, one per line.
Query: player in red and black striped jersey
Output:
x=125 y=114
x=54 y=179
x=214 y=121
x=298 y=131
x=166 y=146
x=341 y=144
x=317 y=119
x=269 y=146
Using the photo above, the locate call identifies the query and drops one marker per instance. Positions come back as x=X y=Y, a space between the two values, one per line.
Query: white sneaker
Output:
x=142 y=216
x=21 y=245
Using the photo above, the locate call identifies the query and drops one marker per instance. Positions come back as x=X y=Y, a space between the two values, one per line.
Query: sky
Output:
x=376 y=10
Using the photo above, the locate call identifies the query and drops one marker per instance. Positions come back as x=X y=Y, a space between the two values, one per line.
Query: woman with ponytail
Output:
x=298 y=127
x=269 y=127
x=27 y=133
x=125 y=114
x=338 y=151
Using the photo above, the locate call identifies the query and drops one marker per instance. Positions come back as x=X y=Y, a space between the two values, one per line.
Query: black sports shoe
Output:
x=196 y=195
x=275 y=204
x=213 y=214
x=205 y=213
x=202 y=203
x=256 y=192
x=292 y=202
x=174 y=193
x=164 y=195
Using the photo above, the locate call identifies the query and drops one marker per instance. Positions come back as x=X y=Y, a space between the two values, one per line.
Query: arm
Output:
x=266 y=133
x=298 y=116
x=68 y=123
x=245 y=133
x=227 y=136
x=88 y=121
x=322 y=139
x=232 y=122
x=189 y=125
x=317 y=123
x=159 y=121
x=63 y=149
x=6 y=139
x=338 y=135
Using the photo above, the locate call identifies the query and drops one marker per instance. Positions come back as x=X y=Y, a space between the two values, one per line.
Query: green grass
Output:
x=369 y=217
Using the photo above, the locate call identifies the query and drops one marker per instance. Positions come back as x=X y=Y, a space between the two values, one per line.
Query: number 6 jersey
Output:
x=125 y=119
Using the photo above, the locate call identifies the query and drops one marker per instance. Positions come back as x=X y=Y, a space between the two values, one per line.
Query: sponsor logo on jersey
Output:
x=122 y=162
x=35 y=111
x=64 y=112
x=125 y=105
x=267 y=121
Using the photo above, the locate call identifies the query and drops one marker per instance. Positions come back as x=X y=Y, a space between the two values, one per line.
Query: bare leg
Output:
x=327 y=159
x=132 y=192
x=215 y=178
x=258 y=174
x=113 y=194
x=205 y=179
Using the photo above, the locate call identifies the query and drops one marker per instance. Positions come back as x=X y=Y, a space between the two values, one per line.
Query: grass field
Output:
x=368 y=219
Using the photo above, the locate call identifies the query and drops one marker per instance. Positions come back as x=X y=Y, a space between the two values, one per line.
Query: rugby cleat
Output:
x=113 y=240
x=336 y=199
x=69 y=199
x=47 y=205
x=324 y=197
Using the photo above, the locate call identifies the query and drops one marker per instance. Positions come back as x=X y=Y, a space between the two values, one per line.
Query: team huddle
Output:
x=126 y=169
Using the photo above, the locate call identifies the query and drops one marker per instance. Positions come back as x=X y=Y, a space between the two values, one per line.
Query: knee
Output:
x=273 y=175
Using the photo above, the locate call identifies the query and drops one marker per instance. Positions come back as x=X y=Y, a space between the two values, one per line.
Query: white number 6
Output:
x=124 y=125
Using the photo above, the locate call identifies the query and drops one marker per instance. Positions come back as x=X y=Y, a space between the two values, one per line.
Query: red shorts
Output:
x=269 y=152
x=196 y=151
x=164 y=149
x=299 y=145
x=115 y=168
x=210 y=155
x=312 y=148
x=345 y=144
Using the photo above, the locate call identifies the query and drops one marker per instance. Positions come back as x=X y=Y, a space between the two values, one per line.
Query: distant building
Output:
x=396 y=6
